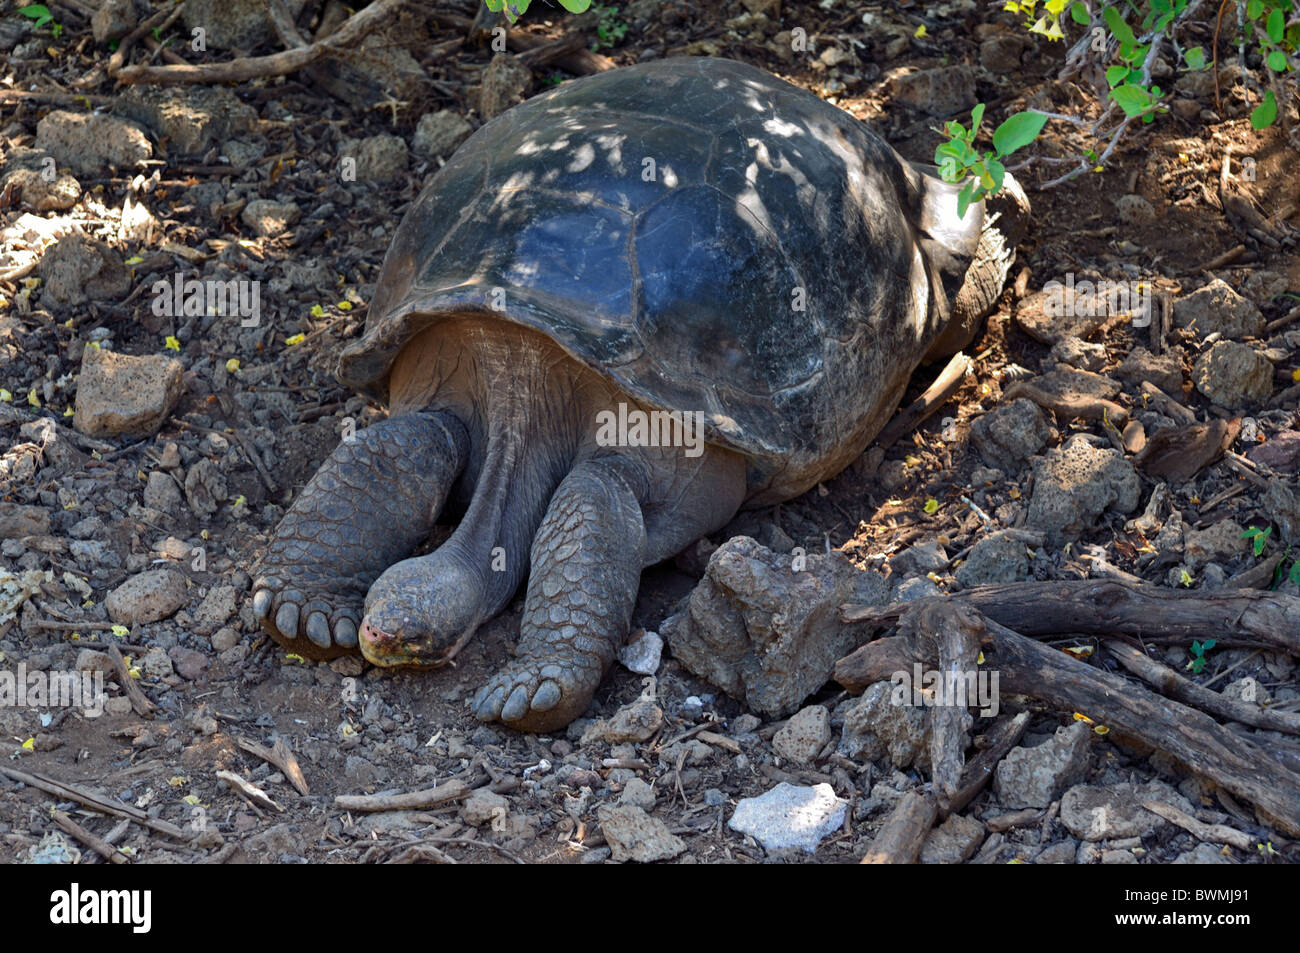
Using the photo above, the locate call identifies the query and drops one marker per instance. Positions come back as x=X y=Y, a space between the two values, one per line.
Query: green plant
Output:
x=1197 y=664
x=1276 y=41
x=1259 y=541
x=514 y=9
x=958 y=158
x=610 y=30
x=40 y=15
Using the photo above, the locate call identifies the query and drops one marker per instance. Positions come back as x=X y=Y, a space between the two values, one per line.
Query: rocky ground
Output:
x=145 y=456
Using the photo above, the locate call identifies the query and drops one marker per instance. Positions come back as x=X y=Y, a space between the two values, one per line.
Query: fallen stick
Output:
x=1212 y=833
x=1067 y=408
x=900 y=838
x=276 y=64
x=411 y=801
x=162 y=20
x=935 y=396
x=279 y=756
x=250 y=791
x=101 y=847
x=139 y=701
x=1026 y=667
x=1110 y=606
x=66 y=791
x=1169 y=683
x=979 y=770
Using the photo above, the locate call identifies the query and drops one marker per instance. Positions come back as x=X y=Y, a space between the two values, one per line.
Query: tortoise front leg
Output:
x=368 y=506
x=587 y=559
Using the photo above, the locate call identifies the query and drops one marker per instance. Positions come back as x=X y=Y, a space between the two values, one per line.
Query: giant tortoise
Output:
x=622 y=311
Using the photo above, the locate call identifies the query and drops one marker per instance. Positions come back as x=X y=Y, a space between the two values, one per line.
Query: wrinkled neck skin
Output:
x=531 y=411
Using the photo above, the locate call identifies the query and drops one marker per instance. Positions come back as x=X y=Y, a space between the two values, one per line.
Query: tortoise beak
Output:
x=389 y=650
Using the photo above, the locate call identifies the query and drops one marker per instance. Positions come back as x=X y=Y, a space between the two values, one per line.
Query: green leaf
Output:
x=1017 y=131
x=1196 y=648
x=1195 y=58
x=1254 y=8
x=1277 y=61
x=1134 y=100
x=1121 y=30
x=1209 y=644
x=976 y=117
x=36 y=11
x=576 y=6
x=997 y=172
x=1265 y=114
x=1079 y=14
x=1116 y=74
x=965 y=198
x=1295 y=573
x=1275 y=24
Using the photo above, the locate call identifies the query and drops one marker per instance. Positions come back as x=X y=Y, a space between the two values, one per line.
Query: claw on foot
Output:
x=314 y=628
x=535 y=699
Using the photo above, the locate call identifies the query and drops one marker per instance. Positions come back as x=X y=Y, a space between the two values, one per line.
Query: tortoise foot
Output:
x=368 y=506
x=541 y=693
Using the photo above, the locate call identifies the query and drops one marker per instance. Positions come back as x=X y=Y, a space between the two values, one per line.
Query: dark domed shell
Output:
x=709 y=236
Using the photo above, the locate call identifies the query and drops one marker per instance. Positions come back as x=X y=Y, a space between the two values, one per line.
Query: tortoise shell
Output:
x=711 y=237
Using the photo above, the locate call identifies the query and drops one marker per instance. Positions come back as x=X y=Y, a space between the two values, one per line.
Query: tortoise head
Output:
x=421 y=612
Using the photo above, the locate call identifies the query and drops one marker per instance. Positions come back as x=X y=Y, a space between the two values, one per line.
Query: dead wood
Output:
x=101 y=847
x=1026 y=667
x=1179 y=453
x=1111 y=606
x=1211 y=833
x=282 y=758
x=1167 y=404
x=140 y=704
x=1169 y=683
x=979 y=770
x=935 y=396
x=276 y=64
x=1069 y=407
x=411 y=801
x=900 y=838
x=65 y=791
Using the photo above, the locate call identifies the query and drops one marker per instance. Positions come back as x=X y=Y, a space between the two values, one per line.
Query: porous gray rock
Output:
x=1008 y=436
x=162 y=494
x=1218 y=309
x=1034 y=777
x=77 y=269
x=999 y=557
x=91 y=143
x=267 y=218
x=113 y=20
x=205 y=488
x=803 y=737
x=936 y=92
x=121 y=395
x=1134 y=210
x=874 y=724
x=1164 y=371
x=147 y=597
x=18 y=520
x=1076 y=484
x=764 y=627
x=191 y=119
x=1095 y=813
x=42 y=192
x=484 y=806
x=634 y=835
x=922 y=558
x=953 y=841
x=231 y=24
x=790 y=816
x=1218 y=542
x=439 y=133
x=1282 y=503
x=380 y=158
x=505 y=83
x=634 y=722
x=1233 y=375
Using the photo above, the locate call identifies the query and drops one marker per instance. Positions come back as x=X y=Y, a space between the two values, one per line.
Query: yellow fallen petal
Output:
x=69 y=412
x=295 y=339
x=120 y=630
x=29 y=744
x=133 y=260
x=1101 y=730
x=232 y=365
x=171 y=344
x=6 y=396
x=1083 y=718
x=317 y=311
x=920 y=32
x=191 y=799
x=345 y=305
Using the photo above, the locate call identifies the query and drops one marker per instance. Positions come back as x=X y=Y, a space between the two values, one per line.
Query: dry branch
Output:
x=1169 y=683
x=1026 y=667
x=900 y=838
x=1213 y=833
x=935 y=396
x=139 y=702
x=99 y=846
x=1068 y=407
x=65 y=791
x=282 y=758
x=411 y=801
x=1110 y=606
x=276 y=64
